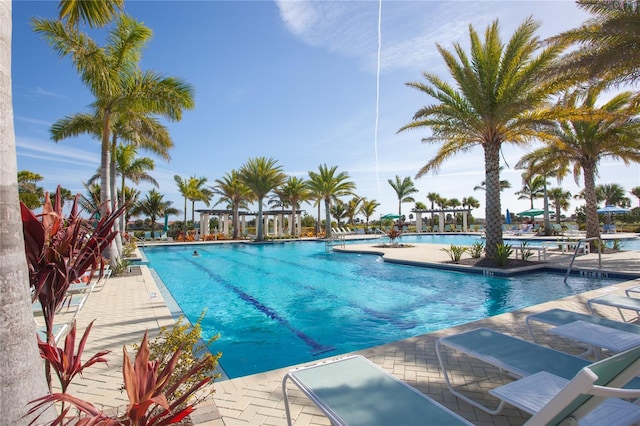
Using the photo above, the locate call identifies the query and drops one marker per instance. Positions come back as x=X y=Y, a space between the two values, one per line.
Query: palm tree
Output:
x=636 y=193
x=261 y=175
x=613 y=195
x=368 y=208
x=470 y=202
x=610 y=130
x=433 y=198
x=500 y=92
x=154 y=206
x=234 y=192
x=339 y=211
x=559 y=201
x=328 y=186
x=293 y=191
x=403 y=188
x=532 y=187
x=352 y=208
x=115 y=80
x=504 y=184
x=183 y=188
x=20 y=356
x=607 y=44
x=198 y=192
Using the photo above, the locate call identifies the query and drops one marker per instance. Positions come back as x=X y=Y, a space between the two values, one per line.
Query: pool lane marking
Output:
x=396 y=322
x=318 y=348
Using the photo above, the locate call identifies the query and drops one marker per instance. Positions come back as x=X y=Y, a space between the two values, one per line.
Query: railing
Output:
x=585 y=240
x=336 y=240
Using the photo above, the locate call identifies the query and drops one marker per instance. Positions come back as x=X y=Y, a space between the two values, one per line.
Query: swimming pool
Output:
x=282 y=304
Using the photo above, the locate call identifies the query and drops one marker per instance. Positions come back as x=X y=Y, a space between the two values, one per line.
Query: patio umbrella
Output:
x=612 y=209
x=166 y=223
x=507 y=218
x=531 y=212
x=390 y=216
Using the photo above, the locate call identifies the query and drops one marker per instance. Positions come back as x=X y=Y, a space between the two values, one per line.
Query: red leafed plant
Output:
x=147 y=388
x=60 y=250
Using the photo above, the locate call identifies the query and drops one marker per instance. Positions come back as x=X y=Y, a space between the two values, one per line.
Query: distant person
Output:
x=195 y=253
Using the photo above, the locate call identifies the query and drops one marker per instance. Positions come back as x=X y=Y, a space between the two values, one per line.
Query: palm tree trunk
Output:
x=327 y=225
x=21 y=376
x=114 y=192
x=493 y=210
x=547 y=224
x=259 y=221
x=236 y=221
x=186 y=228
x=591 y=210
x=105 y=183
x=319 y=221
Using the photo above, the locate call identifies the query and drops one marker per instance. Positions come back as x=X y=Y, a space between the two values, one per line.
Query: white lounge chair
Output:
x=517 y=357
x=589 y=398
x=354 y=391
x=619 y=302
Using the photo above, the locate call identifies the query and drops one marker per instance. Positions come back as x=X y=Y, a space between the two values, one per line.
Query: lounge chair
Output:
x=526 y=229
x=590 y=397
x=354 y=391
x=516 y=356
x=619 y=302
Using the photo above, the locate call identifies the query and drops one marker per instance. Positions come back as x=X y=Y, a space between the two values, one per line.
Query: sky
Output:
x=298 y=81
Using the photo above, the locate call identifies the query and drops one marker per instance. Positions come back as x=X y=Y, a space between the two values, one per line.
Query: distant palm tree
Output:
x=607 y=44
x=504 y=184
x=636 y=193
x=262 y=175
x=328 y=185
x=403 y=188
x=470 y=202
x=293 y=191
x=532 y=188
x=30 y=194
x=154 y=206
x=559 y=201
x=235 y=193
x=497 y=98
x=608 y=130
x=339 y=211
x=433 y=198
x=368 y=208
x=613 y=195
x=198 y=192
x=353 y=207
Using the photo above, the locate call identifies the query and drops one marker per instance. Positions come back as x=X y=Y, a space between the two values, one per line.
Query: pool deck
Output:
x=130 y=304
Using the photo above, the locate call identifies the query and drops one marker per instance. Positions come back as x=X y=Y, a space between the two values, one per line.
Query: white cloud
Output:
x=47 y=150
x=44 y=92
x=33 y=121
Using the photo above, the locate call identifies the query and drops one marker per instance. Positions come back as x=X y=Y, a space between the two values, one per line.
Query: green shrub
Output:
x=503 y=251
x=525 y=253
x=455 y=252
x=476 y=249
x=187 y=338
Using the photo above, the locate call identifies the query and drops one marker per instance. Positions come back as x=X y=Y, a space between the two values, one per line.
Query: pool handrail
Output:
x=575 y=253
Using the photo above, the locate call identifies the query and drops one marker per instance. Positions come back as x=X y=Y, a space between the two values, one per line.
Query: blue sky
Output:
x=292 y=80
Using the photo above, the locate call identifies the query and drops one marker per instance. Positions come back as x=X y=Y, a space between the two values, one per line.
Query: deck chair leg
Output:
x=459 y=395
x=286 y=399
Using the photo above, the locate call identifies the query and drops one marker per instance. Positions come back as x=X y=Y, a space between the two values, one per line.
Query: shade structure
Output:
x=612 y=210
x=531 y=212
x=390 y=216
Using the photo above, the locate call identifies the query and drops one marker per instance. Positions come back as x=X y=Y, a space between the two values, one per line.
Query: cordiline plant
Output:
x=149 y=389
x=60 y=250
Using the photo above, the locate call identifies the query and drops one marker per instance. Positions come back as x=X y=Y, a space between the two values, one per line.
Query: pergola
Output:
x=465 y=212
x=278 y=216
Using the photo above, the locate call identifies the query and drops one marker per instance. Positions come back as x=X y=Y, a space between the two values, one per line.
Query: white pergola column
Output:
x=278 y=224
x=290 y=223
x=298 y=230
x=204 y=224
x=441 y=221
x=243 y=224
x=418 y=222
x=225 y=224
x=265 y=224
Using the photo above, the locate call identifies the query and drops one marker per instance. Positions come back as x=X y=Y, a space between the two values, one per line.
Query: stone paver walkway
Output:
x=130 y=304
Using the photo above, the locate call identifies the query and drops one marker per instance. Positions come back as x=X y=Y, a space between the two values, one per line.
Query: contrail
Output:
x=375 y=136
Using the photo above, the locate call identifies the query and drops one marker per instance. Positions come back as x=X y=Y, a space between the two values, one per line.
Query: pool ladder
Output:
x=330 y=244
x=575 y=253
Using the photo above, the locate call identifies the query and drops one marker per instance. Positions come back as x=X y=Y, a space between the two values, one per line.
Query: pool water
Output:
x=276 y=305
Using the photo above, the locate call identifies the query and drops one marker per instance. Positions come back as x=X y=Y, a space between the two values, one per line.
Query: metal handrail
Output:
x=584 y=240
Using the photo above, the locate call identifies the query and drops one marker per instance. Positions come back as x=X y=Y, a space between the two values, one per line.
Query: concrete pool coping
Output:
x=129 y=305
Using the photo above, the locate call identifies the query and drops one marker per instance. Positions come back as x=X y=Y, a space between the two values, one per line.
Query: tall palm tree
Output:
x=609 y=130
x=532 y=187
x=235 y=193
x=198 y=192
x=368 y=208
x=607 y=44
x=118 y=85
x=328 y=186
x=353 y=207
x=19 y=355
x=183 y=188
x=154 y=206
x=403 y=188
x=497 y=98
x=560 y=200
x=293 y=191
x=262 y=175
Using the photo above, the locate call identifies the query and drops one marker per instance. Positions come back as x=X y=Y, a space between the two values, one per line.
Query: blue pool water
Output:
x=282 y=304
